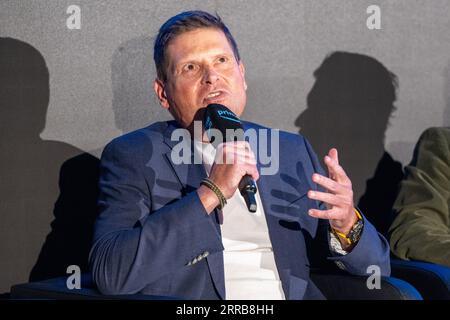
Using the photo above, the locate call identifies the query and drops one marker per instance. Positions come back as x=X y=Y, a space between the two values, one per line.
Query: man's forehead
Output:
x=197 y=43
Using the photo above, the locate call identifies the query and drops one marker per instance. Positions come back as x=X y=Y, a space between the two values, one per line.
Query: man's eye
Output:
x=190 y=67
x=223 y=59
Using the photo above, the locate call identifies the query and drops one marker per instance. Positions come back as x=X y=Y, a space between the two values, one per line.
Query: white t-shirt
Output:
x=249 y=262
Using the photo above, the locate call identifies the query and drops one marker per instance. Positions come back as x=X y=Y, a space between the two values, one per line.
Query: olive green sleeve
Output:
x=421 y=230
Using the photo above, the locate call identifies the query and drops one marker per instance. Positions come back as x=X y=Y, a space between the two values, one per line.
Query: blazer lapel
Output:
x=283 y=207
x=190 y=176
x=187 y=177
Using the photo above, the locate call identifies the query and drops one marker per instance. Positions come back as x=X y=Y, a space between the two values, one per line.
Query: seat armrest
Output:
x=348 y=287
x=432 y=280
x=56 y=289
x=333 y=286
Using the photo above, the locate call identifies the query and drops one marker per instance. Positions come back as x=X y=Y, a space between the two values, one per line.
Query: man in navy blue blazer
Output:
x=181 y=229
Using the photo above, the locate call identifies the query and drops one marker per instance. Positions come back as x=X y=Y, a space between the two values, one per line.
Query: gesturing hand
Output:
x=339 y=196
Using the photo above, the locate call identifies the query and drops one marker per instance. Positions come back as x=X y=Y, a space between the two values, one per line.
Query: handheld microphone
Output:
x=221 y=118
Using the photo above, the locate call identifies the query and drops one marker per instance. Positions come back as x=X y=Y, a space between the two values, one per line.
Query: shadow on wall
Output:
x=349 y=108
x=133 y=72
x=33 y=173
x=134 y=106
x=405 y=149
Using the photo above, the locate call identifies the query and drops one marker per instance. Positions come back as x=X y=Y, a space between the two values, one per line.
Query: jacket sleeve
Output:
x=371 y=250
x=132 y=246
x=421 y=230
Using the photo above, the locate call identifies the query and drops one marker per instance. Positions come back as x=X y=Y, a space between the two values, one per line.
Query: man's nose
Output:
x=210 y=75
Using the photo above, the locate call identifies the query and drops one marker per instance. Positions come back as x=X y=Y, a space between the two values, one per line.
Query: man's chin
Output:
x=215 y=101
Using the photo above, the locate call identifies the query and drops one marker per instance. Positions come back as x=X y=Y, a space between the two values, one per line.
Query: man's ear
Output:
x=158 y=85
x=242 y=70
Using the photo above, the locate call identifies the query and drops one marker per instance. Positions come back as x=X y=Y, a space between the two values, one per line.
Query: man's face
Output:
x=201 y=70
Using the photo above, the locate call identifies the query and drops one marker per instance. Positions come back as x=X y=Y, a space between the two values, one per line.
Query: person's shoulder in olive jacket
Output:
x=421 y=230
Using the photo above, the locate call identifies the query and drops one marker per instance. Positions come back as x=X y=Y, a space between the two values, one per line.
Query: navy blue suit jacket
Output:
x=152 y=225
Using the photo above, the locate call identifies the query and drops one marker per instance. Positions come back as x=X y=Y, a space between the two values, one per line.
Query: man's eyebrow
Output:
x=192 y=59
x=184 y=61
x=223 y=54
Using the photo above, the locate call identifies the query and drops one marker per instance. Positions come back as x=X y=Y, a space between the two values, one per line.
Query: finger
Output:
x=255 y=174
x=240 y=153
x=228 y=154
x=233 y=158
x=251 y=170
x=335 y=171
x=243 y=159
x=333 y=154
x=240 y=144
x=329 y=214
x=237 y=148
x=329 y=184
x=326 y=197
x=233 y=145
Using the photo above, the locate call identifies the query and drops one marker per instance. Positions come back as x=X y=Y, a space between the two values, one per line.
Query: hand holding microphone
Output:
x=234 y=160
x=235 y=163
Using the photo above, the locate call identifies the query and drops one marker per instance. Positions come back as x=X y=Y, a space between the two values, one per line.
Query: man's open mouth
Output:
x=215 y=96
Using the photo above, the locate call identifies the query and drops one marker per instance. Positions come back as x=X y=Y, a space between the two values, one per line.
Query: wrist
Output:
x=211 y=185
x=208 y=198
x=346 y=227
x=350 y=236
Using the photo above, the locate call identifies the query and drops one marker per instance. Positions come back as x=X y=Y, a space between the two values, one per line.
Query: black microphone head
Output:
x=224 y=120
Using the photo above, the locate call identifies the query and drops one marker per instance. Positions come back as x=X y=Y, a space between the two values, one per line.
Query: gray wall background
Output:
x=101 y=76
